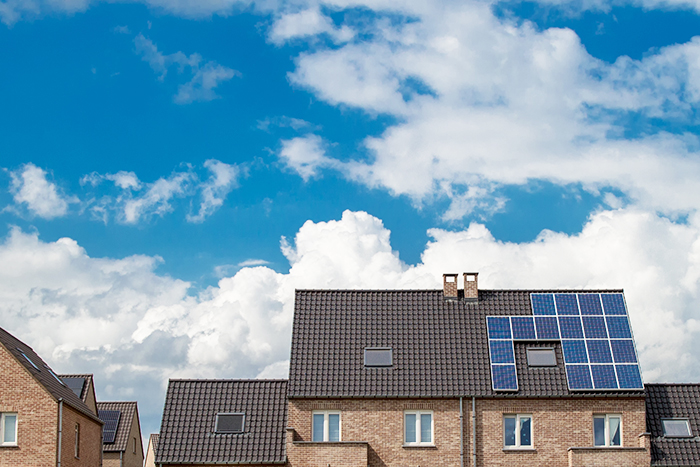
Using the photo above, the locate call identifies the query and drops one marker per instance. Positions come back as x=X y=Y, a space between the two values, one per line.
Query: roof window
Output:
x=676 y=428
x=541 y=356
x=378 y=357
x=230 y=422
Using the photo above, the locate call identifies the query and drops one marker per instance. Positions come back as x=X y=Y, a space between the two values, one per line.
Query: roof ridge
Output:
x=243 y=380
x=592 y=290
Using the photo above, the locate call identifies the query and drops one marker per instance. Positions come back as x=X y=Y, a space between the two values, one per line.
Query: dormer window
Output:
x=230 y=422
x=378 y=357
x=541 y=357
x=676 y=428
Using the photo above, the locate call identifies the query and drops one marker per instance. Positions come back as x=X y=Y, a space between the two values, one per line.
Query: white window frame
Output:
x=687 y=424
x=607 y=418
x=326 y=425
x=518 y=424
x=419 y=441
x=2 y=429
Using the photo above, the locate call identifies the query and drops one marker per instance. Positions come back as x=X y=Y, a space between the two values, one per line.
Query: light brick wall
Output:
x=111 y=459
x=37 y=423
x=609 y=457
x=132 y=459
x=90 y=440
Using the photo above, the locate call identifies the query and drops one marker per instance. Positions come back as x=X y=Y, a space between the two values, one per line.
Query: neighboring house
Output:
x=84 y=387
x=42 y=422
x=151 y=451
x=673 y=419
x=122 y=443
x=219 y=422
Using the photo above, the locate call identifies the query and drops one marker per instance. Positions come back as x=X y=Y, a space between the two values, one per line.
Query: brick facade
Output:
x=90 y=454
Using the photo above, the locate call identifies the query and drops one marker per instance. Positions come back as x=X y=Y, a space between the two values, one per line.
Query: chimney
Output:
x=449 y=286
x=471 y=286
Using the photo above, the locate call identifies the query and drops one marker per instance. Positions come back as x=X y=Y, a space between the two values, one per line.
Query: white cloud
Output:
x=31 y=189
x=305 y=155
x=213 y=192
x=305 y=23
x=157 y=197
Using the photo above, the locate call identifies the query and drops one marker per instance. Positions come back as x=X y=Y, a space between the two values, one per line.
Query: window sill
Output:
x=9 y=446
x=419 y=446
x=519 y=450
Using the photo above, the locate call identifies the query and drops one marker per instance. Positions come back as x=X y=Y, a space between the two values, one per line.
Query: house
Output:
x=122 y=444
x=82 y=386
x=673 y=421
x=42 y=421
x=151 y=451
x=219 y=422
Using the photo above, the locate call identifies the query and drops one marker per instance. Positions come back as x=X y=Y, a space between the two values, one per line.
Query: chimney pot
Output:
x=449 y=286
x=471 y=286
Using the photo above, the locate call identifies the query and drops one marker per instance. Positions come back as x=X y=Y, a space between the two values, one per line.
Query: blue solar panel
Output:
x=566 y=304
x=594 y=327
x=619 y=327
x=499 y=327
x=570 y=327
x=547 y=327
x=590 y=304
x=604 y=376
x=579 y=376
x=502 y=352
x=613 y=304
x=543 y=304
x=111 y=419
x=574 y=351
x=523 y=327
x=623 y=351
x=504 y=378
x=629 y=377
x=599 y=351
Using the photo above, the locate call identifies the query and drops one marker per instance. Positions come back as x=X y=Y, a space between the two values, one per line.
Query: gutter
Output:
x=474 y=431
x=461 y=433
x=60 y=430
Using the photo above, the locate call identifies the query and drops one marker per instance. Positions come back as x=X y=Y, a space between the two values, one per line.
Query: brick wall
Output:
x=131 y=458
x=111 y=459
x=90 y=440
x=608 y=457
x=37 y=416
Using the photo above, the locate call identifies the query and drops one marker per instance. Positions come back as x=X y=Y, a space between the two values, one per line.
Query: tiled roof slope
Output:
x=128 y=410
x=673 y=401
x=440 y=347
x=187 y=431
x=154 y=441
x=43 y=375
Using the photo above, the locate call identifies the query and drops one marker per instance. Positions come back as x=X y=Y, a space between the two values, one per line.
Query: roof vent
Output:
x=471 y=286
x=449 y=286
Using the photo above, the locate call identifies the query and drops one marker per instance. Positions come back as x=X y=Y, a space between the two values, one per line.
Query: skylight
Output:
x=676 y=428
x=378 y=357
x=230 y=422
x=29 y=360
x=541 y=357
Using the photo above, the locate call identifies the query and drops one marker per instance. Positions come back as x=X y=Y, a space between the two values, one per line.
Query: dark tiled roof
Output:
x=673 y=401
x=154 y=442
x=187 y=430
x=128 y=410
x=42 y=373
x=87 y=382
x=440 y=347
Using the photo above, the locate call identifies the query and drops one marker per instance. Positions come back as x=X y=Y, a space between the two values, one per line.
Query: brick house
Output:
x=122 y=445
x=151 y=451
x=42 y=421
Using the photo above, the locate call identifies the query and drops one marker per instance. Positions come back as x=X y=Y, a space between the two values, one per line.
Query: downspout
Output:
x=474 y=431
x=121 y=457
x=60 y=429
x=461 y=433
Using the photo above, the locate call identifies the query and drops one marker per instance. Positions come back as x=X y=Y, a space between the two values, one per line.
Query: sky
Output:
x=171 y=170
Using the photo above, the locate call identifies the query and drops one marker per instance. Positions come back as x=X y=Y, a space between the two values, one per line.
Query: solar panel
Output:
x=579 y=376
x=111 y=419
x=75 y=384
x=504 y=378
x=613 y=304
x=590 y=304
x=523 y=327
x=502 y=352
x=629 y=376
x=623 y=351
x=547 y=327
x=498 y=327
x=599 y=351
x=594 y=326
x=604 y=376
x=543 y=304
x=570 y=327
x=566 y=304
x=619 y=327
x=574 y=351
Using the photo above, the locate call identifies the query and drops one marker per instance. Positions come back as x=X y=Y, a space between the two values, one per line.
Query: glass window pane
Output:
x=425 y=428
x=10 y=429
x=410 y=428
x=599 y=431
x=318 y=427
x=525 y=431
x=676 y=428
x=334 y=427
x=614 y=431
x=509 y=431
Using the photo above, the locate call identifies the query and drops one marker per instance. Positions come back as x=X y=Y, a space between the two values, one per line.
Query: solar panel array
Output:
x=75 y=384
x=111 y=419
x=595 y=334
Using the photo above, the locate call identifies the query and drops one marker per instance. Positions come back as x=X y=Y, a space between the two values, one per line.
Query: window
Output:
x=134 y=450
x=326 y=426
x=230 y=422
x=378 y=357
x=607 y=430
x=418 y=427
x=8 y=429
x=77 y=440
x=676 y=428
x=517 y=431
x=541 y=357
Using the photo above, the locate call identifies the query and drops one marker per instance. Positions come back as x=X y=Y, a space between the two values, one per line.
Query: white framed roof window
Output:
x=378 y=357
x=230 y=422
x=676 y=428
x=541 y=357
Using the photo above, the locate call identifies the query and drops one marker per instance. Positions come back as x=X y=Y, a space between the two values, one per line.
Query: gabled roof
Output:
x=128 y=410
x=187 y=432
x=153 y=441
x=440 y=347
x=673 y=401
x=87 y=381
x=44 y=374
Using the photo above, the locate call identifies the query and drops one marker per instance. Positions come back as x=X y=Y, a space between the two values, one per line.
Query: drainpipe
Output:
x=121 y=457
x=60 y=429
x=461 y=434
x=474 y=431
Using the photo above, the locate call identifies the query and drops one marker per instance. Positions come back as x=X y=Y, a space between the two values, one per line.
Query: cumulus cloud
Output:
x=305 y=23
x=305 y=155
x=213 y=192
x=135 y=328
x=31 y=189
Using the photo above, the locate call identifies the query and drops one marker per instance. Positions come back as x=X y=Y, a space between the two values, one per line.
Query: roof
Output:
x=440 y=346
x=43 y=374
x=153 y=441
x=87 y=382
x=128 y=410
x=673 y=401
x=187 y=431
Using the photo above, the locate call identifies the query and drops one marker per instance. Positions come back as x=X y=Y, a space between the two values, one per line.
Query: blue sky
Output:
x=173 y=170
